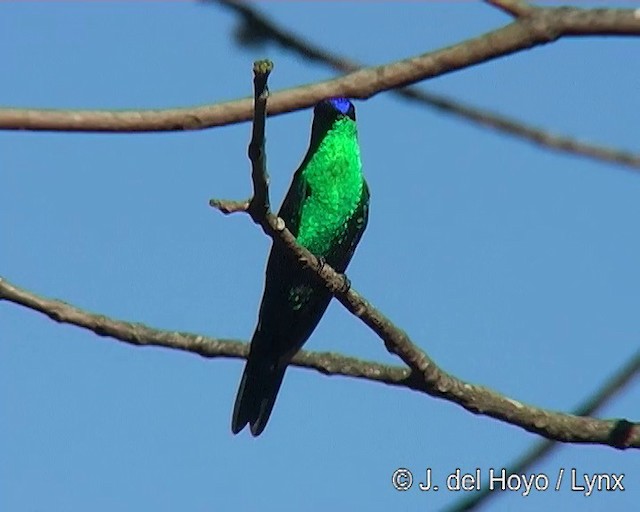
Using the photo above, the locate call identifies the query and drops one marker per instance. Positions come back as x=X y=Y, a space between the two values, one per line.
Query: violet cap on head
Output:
x=341 y=104
x=336 y=107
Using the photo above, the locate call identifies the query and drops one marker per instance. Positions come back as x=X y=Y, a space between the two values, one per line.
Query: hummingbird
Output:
x=326 y=209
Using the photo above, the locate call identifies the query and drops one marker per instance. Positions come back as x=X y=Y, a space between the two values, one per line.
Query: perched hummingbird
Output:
x=326 y=209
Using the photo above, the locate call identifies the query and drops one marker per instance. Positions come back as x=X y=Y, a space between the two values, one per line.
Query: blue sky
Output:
x=514 y=268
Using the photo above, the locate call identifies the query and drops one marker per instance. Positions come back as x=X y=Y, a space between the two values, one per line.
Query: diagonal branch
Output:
x=515 y=8
x=257 y=27
x=424 y=371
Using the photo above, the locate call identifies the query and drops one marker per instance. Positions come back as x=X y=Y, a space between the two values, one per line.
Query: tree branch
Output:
x=515 y=8
x=142 y=336
x=588 y=430
x=257 y=27
x=260 y=203
x=543 y=26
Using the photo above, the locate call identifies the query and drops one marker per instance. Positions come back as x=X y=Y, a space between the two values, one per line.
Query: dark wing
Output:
x=341 y=255
x=292 y=205
x=293 y=301
x=282 y=273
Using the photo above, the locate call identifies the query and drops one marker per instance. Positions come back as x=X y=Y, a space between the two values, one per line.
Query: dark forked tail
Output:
x=257 y=393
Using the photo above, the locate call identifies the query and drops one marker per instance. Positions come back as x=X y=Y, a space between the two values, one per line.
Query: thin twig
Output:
x=259 y=204
x=257 y=27
x=515 y=8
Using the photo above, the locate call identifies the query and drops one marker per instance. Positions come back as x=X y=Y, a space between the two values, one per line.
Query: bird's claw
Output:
x=346 y=284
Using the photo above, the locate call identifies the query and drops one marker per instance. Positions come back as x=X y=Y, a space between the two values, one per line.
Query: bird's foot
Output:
x=346 y=284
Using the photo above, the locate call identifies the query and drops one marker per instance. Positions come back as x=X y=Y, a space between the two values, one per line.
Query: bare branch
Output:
x=259 y=204
x=562 y=427
x=515 y=8
x=256 y=26
x=142 y=336
x=227 y=206
x=543 y=26
x=623 y=376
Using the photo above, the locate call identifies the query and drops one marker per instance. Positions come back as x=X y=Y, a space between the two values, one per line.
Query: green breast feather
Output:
x=331 y=206
x=333 y=189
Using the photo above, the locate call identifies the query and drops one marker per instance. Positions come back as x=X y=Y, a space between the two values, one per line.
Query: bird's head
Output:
x=335 y=108
x=329 y=115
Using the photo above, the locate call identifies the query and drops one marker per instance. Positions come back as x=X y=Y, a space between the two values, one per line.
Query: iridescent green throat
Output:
x=333 y=175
